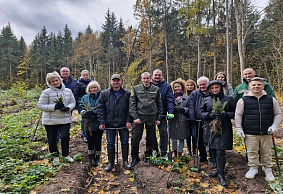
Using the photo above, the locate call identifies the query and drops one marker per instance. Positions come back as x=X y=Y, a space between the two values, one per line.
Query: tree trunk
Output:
x=227 y=43
x=214 y=38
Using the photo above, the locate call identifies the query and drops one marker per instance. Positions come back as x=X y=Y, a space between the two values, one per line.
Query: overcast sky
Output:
x=27 y=17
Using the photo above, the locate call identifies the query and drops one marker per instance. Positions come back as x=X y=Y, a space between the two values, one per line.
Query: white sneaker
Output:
x=69 y=159
x=164 y=157
x=56 y=161
x=268 y=173
x=251 y=173
x=154 y=154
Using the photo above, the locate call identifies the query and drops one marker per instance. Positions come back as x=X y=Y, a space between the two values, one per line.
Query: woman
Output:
x=191 y=86
x=56 y=102
x=87 y=109
x=178 y=126
x=221 y=138
x=80 y=91
x=227 y=88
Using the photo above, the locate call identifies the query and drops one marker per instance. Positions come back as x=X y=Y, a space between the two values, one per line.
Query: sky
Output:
x=27 y=17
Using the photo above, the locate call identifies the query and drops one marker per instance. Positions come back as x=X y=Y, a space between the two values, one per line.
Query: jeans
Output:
x=192 y=136
x=52 y=131
x=111 y=136
x=163 y=137
x=94 y=140
x=180 y=147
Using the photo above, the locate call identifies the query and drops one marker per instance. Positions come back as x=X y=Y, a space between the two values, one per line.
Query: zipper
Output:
x=259 y=108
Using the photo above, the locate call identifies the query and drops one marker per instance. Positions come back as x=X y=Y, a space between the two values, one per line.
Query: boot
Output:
x=174 y=154
x=179 y=154
x=111 y=158
x=125 y=154
x=97 y=158
x=222 y=180
x=91 y=157
x=214 y=173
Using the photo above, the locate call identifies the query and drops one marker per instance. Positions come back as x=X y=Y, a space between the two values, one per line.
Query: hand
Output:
x=83 y=112
x=272 y=129
x=157 y=122
x=211 y=115
x=137 y=121
x=65 y=109
x=218 y=116
x=102 y=126
x=59 y=106
x=128 y=125
x=170 y=116
x=240 y=132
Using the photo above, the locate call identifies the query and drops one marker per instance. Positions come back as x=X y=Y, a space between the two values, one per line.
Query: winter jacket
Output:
x=145 y=102
x=255 y=115
x=179 y=125
x=91 y=99
x=214 y=140
x=114 y=111
x=167 y=97
x=46 y=103
x=70 y=83
x=244 y=87
x=196 y=98
x=230 y=90
x=80 y=89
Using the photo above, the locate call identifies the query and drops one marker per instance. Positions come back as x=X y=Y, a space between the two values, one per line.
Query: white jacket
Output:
x=46 y=103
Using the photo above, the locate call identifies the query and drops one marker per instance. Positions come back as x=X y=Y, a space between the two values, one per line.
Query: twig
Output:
x=170 y=173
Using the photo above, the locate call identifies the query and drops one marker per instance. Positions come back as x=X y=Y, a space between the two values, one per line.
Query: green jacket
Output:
x=145 y=102
x=244 y=87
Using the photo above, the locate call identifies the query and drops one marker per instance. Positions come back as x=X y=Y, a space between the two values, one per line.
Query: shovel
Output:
x=196 y=156
x=276 y=157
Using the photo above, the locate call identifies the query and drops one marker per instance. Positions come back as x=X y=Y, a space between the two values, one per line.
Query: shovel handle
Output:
x=276 y=157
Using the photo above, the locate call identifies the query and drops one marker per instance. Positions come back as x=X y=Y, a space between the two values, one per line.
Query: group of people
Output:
x=199 y=113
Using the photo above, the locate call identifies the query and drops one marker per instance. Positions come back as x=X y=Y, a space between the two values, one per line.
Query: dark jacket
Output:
x=179 y=125
x=223 y=141
x=114 y=111
x=92 y=121
x=196 y=98
x=167 y=97
x=80 y=90
x=70 y=83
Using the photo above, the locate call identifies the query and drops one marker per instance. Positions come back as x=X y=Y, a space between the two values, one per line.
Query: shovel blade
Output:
x=196 y=161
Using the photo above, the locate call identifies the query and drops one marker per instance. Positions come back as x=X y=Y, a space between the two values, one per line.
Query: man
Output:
x=262 y=116
x=168 y=101
x=197 y=97
x=113 y=112
x=145 y=108
x=68 y=81
x=249 y=73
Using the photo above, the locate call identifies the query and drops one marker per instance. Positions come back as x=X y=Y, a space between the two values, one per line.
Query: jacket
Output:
x=112 y=111
x=196 y=98
x=70 y=83
x=145 y=102
x=179 y=125
x=80 y=89
x=167 y=97
x=91 y=99
x=46 y=103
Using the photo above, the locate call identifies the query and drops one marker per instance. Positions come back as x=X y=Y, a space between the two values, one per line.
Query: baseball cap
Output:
x=116 y=76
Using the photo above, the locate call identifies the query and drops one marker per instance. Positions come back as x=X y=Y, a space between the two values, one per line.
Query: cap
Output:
x=116 y=76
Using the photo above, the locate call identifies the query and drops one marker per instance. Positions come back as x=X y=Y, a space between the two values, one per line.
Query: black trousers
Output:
x=52 y=131
x=219 y=157
x=94 y=140
x=201 y=147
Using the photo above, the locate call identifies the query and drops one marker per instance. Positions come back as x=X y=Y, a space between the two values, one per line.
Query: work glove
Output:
x=240 y=132
x=272 y=129
x=211 y=115
x=179 y=110
x=65 y=109
x=170 y=116
x=88 y=114
x=59 y=106
x=83 y=112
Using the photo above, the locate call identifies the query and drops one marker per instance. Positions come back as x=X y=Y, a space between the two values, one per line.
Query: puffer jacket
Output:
x=46 y=103
x=80 y=90
x=70 y=84
x=196 y=99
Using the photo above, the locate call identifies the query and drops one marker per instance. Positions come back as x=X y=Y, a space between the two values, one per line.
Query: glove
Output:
x=272 y=129
x=218 y=116
x=240 y=132
x=170 y=116
x=83 y=112
x=182 y=110
x=88 y=114
x=211 y=115
x=59 y=106
x=65 y=109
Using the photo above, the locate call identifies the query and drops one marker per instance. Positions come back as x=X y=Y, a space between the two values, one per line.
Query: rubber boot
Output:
x=111 y=158
x=97 y=158
x=222 y=180
x=91 y=157
x=125 y=154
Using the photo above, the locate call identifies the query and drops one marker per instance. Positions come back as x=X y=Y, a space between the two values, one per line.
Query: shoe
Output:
x=154 y=154
x=203 y=160
x=69 y=159
x=85 y=139
x=251 y=173
x=111 y=158
x=189 y=153
x=268 y=173
x=56 y=161
x=222 y=180
x=179 y=154
x=135 y=162
x=213 y=165
x=165 y=157
x=214 y=173
x=147 y=160
x=97 y=158
x=174 y=154
x=91 y=159
x=125 y=154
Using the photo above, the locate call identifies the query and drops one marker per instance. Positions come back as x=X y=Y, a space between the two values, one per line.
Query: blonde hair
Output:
x=84 y=71
x=181 y=82
x=192 y=82
x=51 y=76
x=90 y=85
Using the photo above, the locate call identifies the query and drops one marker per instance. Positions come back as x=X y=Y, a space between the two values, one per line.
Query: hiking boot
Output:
x=125 y=154
x=165 y=157
x=222 y=180
x=154 y=154
x=69 y=159
x=251 y=173
x=174 y=154
x=111 y=158
x=135 y=162
x=268 y=173
x=214 y=173
x=213 y=165
x=56 y=161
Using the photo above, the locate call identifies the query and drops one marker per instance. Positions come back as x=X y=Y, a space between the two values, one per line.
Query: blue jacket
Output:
x=70 y=84
x=167 y=97
x=197 y=98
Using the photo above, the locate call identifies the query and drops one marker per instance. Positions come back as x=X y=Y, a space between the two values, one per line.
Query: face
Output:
x=55 y=82
x=93 y=89
x=116 y=83
x=157 y=76
x=256 y=87
x=190 y=86
x=220 y=78
x=215 y=88
x=146 y=80
x=65 y=73
x=248 y=74
x=177 y=87
x=85 y=75
x=202 y=85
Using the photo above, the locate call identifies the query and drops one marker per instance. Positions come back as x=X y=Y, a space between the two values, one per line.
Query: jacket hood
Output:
x=249 y=93
x=220 y=93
